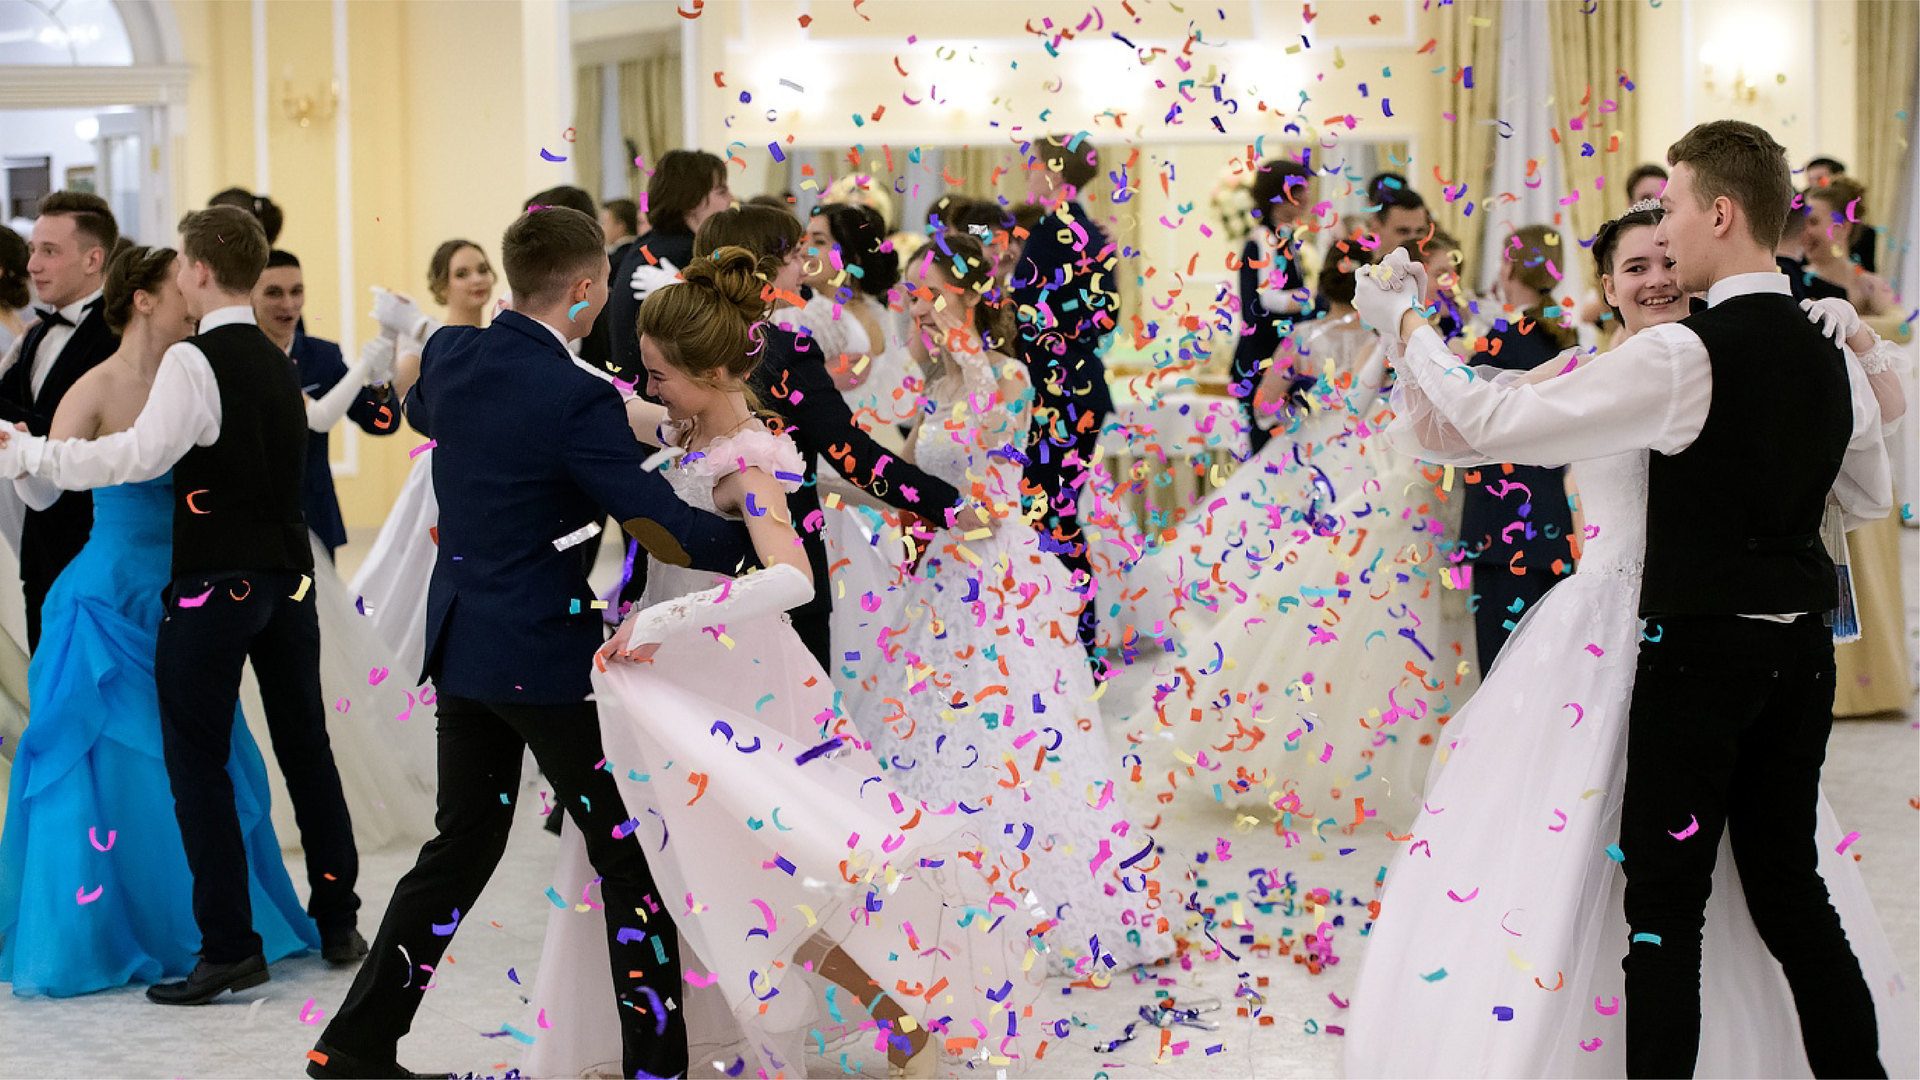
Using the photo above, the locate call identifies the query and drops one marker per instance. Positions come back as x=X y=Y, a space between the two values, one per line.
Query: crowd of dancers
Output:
x=835 y=751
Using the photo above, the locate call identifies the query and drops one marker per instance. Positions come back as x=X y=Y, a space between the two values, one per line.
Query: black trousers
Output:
x=213 y=625
x=481 y=747
x=1727 y=730
x=1048 y=469
x=1495 y=590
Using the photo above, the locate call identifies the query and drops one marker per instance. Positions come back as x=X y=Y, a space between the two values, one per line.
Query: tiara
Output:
x=1643 y=206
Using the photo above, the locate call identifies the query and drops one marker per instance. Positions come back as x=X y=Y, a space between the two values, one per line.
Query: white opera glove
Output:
x=326 y=410
x=760 y=593
x=399 y=315
x=381 y=354
x=1881 y=358
x=1835 y=317
x=648 y=277
x=1386 y=291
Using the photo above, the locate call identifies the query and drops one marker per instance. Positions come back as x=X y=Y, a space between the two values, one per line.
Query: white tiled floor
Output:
x=1873 y=770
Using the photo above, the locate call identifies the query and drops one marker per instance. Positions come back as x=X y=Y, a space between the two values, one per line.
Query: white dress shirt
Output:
x=182 y=411
x=1652 y=393
x=50 y=345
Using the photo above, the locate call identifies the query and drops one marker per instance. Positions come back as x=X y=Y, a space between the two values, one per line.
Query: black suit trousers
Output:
x=213 y=625
x=1726 y=733
x=481 y=748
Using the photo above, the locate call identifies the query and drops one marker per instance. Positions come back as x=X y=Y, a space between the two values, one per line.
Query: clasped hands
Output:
x=1387 y=291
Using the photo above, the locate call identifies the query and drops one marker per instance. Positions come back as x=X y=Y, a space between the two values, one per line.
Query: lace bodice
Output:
x=972 y=438
x=1613 y=499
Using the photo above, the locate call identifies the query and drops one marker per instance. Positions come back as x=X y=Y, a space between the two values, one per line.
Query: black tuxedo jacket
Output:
x=50 y=538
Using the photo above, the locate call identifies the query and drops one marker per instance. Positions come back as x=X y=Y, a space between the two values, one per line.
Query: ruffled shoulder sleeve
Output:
x=752 y=447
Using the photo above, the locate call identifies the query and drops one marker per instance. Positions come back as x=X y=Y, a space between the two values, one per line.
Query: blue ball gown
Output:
x=94 y=886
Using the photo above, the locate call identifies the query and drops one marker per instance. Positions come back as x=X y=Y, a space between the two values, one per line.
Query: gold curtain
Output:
x=1589 y=51
x=649 y=112
x=588 y=98
x=1883 y=39
x=1469 y=34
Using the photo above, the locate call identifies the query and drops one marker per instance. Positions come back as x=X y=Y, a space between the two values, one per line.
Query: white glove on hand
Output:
x=379 y=356
x=1386 y=291
x=397 y=315
x=1835 y=317
x=647 y=278
x=754 y=595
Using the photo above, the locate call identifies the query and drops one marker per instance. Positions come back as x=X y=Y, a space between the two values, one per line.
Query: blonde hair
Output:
x=705 y=323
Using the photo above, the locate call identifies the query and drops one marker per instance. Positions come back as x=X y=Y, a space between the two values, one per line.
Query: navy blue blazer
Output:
x=530 y=448
x=1531 y=516
x=1067 y=298
x=318 y=364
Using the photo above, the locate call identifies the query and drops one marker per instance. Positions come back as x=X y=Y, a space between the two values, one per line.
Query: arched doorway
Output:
x=92 y=93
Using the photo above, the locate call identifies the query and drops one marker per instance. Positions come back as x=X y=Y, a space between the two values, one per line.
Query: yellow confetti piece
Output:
x=1446 y=478
x=1480 y=21
x=808 y=912
x=301 y=592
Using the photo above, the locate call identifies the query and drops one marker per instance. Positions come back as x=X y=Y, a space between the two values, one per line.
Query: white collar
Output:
x=1760 y=281
x=226 y=316
x=562 y=338
x=74 y=311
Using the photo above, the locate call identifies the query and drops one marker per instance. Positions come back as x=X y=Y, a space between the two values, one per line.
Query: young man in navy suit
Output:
x=531 y=451
x=333 y=389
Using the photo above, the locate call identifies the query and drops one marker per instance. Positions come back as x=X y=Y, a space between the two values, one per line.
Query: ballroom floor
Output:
x=1873 y=773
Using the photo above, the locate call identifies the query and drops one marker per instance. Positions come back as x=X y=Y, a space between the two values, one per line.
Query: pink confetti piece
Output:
x=1846 y=843
x=1693 y=826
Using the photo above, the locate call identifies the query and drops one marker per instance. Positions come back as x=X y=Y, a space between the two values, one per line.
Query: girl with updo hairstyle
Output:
x=851 y=267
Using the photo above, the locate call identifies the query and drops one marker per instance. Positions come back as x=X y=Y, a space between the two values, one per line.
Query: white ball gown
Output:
x=763 y=843
x=982 y=698
x=1314 y=655
x=381 y=727
x=1498 y=944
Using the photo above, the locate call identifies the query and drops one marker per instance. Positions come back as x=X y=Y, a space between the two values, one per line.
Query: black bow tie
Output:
x=53 y=317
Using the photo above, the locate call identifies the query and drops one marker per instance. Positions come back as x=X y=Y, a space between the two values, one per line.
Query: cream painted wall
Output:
x=1800 y=55
x=452 y=101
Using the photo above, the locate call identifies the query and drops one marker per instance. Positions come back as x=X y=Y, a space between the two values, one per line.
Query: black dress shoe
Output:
x=342 y=946
x=209 y=981
x=327 y=1063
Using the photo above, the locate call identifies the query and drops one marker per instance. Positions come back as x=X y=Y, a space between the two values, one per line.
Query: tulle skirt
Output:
x=381 y=726
x=1498 y=944
x=767 y=846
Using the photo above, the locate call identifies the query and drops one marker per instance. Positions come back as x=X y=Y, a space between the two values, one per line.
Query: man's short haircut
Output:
x=1828 y=164
x=624 y=211
x=566 y=195
x=1075 y=158
x=546 y=250
x=278 y=258
x=1742 y=162
x=681 y=181
x=230 y=241
x=1641 y=173
x=92 y=217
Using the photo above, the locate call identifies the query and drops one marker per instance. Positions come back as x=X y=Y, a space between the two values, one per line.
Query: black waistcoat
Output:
x=238 y=502
x=1733 y=521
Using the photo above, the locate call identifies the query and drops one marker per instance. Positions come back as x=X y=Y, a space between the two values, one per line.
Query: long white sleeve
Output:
x=38 y=493
x=326 y=410
x=1864 y=487
x=182 y=411
x=1652 y=393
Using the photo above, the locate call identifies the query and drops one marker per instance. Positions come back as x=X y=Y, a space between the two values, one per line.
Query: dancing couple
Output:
x=1674 y=695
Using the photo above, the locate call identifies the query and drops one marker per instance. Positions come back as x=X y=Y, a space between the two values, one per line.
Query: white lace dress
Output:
x=1498 y=944
x=985 y=700
x=764 y=838
x=1314 y=652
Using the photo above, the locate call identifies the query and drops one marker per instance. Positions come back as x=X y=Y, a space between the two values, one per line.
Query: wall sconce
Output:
x=1740 y=89
x=304 y=109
